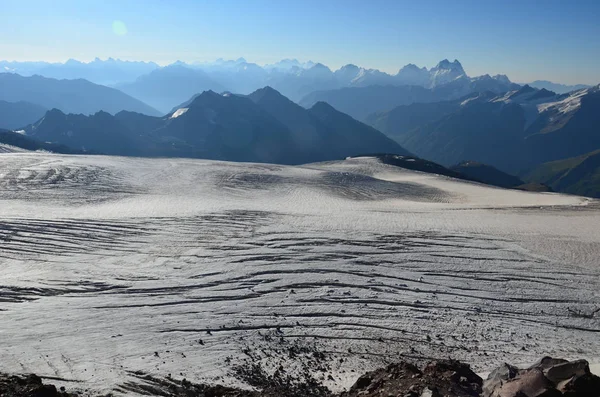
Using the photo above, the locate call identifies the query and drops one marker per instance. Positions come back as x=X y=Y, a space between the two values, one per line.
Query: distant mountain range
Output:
x=105 y=72
x=555 y=87
x=165 y=87
x=71 y=96
x=360 y=102
x=262 y=127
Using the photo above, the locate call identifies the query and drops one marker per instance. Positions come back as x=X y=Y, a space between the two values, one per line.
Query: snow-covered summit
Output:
x=445 y=72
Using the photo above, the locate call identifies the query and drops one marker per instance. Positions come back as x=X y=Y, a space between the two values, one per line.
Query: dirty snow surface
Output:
x=191 y=268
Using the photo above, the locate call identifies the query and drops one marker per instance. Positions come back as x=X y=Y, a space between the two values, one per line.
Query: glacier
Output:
x=177 y=266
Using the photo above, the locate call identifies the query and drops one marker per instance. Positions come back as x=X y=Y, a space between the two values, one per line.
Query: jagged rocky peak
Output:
x=445 y=65
x=446 y=71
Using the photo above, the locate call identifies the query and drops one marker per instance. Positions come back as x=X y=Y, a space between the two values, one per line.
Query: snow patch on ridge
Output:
x=178 y=113
x=567 y=105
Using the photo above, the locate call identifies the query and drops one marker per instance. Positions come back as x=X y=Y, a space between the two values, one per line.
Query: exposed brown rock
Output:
x=548 y=377
x=444 y=378
x=439 y=378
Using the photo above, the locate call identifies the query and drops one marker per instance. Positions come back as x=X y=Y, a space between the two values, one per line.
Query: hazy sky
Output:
x=556 y=40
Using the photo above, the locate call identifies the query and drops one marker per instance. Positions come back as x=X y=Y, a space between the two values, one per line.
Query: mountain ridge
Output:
x=262 y=127
x=71 y=96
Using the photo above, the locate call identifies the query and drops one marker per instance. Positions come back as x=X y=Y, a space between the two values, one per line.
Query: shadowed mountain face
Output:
x=263 y=127
x=483 y=131
x=513 y=132
x=15 y=115
x=100 y=132
x=578 y=175
x=567 y=126
x=355 y=137
x=487 y=174
x=403 y=119
x=323 y=132
x=70 y=96
x=16 y=140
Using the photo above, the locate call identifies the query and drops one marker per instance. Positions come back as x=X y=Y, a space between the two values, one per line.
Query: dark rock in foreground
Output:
x=448 y=378
x=548 y=377
x=28 y=385
x=439 y=378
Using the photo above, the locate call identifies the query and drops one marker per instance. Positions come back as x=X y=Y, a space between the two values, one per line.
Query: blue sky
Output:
x=527 y=39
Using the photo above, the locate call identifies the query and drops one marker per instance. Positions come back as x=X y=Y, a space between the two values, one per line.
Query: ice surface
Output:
x=4 y=148
x=114 y=264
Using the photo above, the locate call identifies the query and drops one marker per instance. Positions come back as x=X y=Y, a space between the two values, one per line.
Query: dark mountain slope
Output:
x=262 y=127
x=487 y=174
x=230 y=127
x=419 y=164
x=309 y=134
x=468 y=171
x=15 y=115
x=214 y=127
x=70 y=96
x=322 y=132
x=354 y=137
x=18 y=140
x=512 y=132
x=569 y=128
x=484 y=131
x=578 y=175
x=401 y=120
x=100 y=132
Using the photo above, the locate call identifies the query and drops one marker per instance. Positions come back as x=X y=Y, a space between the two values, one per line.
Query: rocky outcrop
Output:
x=549 y=377
x=439 y=378
x=28 y=385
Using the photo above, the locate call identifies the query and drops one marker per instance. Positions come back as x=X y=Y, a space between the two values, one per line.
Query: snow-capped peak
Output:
x=446 y=64
x=445 y=72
